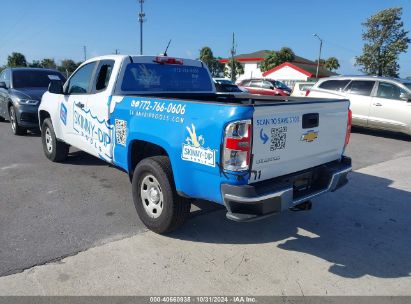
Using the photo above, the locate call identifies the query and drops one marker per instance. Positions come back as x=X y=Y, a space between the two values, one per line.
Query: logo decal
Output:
x=263 y=136
x=194 y=151
x=309 y=136
x=63 y=114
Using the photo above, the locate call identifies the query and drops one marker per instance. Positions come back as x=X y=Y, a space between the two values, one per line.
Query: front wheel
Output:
x=55 y=150
x=15 y=127
x=158 y=205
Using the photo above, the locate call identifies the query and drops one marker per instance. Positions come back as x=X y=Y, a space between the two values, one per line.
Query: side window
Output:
x=360 y=87
x=389 y=91
x=267 y=85
x=256 y=84
x=334 y=85
x=79 y=83
x=104 y=74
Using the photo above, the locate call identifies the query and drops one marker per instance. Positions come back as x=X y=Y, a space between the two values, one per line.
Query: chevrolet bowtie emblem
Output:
x=309 y=136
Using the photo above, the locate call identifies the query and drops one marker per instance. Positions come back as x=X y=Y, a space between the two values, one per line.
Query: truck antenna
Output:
x=165 y=52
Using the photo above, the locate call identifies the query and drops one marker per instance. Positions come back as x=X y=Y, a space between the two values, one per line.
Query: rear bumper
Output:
x=251 y=202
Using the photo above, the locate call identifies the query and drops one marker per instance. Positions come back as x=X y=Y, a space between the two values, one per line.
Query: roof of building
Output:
x=260 y=55
x=301 y=64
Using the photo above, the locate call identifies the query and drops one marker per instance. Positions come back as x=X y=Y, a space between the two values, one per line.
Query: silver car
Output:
x=376 y=102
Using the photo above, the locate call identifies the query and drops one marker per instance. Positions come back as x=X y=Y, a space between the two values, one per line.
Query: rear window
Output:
x=153 y=77
x=34 y=79
x=334 y=85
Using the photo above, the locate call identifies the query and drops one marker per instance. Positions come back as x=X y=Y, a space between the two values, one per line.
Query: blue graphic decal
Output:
x=63 y=114
x=95 y=131
x=263 y=136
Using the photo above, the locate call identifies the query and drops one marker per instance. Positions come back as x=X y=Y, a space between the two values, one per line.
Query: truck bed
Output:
x=247 y=99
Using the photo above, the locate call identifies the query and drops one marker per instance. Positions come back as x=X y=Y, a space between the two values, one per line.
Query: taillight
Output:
x=307 y=92
x=168 y=60
x=237 y=146
x=348 y=132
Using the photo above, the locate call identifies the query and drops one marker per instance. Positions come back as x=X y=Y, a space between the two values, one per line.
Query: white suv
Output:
x=376 y=102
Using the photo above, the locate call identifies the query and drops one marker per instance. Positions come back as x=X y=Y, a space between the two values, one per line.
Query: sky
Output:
x=60 y=28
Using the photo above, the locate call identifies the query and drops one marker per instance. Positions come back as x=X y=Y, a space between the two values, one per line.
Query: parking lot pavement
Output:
x=50 y=211
x=354 y=242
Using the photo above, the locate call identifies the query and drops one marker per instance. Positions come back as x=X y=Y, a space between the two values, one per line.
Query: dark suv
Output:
x=21 y=90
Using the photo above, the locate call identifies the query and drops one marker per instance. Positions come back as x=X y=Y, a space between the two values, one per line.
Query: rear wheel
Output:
x=15 y=127
x=158 y=205
x=55 y=150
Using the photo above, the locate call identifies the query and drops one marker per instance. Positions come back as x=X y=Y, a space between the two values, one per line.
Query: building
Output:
x=300 y=69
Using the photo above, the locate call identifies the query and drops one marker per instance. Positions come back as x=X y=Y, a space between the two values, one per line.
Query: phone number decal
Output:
x=160 y=107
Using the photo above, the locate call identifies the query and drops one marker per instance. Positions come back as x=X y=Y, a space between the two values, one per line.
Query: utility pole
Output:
x=319 y=55
x=233 y=51
x=85 y=52
x=141 y=19
x=116 y=52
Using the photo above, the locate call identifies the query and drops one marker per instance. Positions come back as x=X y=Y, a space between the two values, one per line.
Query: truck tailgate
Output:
x=290 y=137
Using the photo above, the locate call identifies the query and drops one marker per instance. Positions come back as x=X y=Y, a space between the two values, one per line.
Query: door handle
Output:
x=377 y=104
x=80 y=105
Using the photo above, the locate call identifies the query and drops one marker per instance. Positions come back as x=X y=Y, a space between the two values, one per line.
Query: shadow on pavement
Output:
x=80 y=158
x=381 y=133
x=363 y=229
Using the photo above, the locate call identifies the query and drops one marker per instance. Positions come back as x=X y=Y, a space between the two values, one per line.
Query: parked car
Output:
x=265 y=87
x=301 y=88
x=376 y=102
x=20 y=94
x=225 y=85
x=160 y=120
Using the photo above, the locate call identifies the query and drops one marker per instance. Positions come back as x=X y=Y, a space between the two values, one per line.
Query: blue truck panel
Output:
x=190 y=133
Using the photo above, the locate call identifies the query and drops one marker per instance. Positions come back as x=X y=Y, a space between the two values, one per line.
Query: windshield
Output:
x=281 y=85
x=153 y=77
x=223 y=81
x=407 y=84
x=34 y=78
x=227 y=88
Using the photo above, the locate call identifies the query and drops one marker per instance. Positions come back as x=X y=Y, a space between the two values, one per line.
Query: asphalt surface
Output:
x=49 y=211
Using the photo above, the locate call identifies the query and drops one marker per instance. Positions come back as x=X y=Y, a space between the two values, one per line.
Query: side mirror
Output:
x=3 y=85
x=405 y=96
x=56 y=87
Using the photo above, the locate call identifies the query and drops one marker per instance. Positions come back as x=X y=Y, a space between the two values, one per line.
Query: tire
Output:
x=15 y=127
x=158 y=205
x=55 y=150
x=2 y=119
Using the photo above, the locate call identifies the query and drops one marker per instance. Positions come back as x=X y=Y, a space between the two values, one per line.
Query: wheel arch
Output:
x=42 y=116
x=139 y=150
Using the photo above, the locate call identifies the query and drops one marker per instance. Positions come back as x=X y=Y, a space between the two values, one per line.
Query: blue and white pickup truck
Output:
x=159 y=119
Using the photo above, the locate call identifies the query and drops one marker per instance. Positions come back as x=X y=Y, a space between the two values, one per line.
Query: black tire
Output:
x=175 y=209
x=2 y=119
x=15 y=127
x=55 y=150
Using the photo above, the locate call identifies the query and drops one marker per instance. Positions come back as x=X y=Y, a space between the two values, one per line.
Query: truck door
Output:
x=76 y=126
x=97 y=113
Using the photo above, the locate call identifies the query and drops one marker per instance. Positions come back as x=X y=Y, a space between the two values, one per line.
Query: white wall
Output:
x=287 y=73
